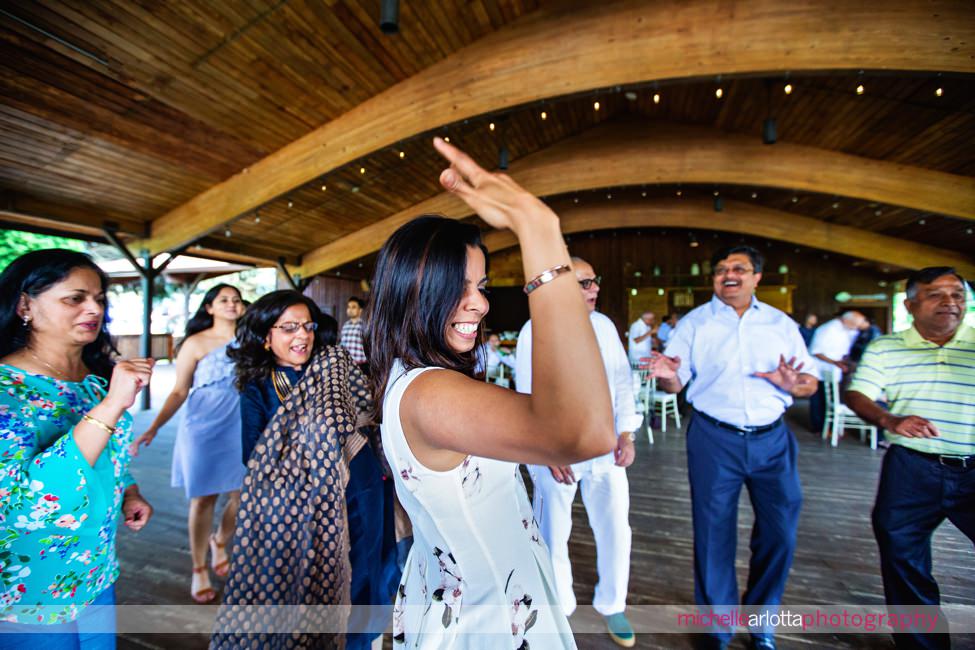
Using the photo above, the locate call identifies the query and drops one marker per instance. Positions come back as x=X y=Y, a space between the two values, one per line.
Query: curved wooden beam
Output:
x=748 y=219
x=554 y=52
x=635 y=154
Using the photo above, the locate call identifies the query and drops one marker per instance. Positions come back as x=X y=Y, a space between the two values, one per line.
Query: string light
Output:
x=788 y=89
x=402 y=154
x=679 y=193
x=291 y=204
x=656 y=98
x=446 y=138
x=544 y=115
x=754 y=195
x=595 y=106
x=362 y=170
x=939 y=92
x=719 y=93
x=491 y=126
x=860 y=89
x=227 y=233
x=323 y=188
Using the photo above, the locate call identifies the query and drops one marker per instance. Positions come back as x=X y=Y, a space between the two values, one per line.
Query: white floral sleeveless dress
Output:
x=478 y=575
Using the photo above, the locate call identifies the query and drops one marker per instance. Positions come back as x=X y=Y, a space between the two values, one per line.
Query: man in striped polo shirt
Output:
x=928 y=376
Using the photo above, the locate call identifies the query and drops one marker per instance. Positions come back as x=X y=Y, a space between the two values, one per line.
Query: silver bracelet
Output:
x=545 y=277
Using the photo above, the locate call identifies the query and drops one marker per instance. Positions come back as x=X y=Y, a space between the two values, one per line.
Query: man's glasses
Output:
x=737 y=270
x=294 y=326
x=588 y=282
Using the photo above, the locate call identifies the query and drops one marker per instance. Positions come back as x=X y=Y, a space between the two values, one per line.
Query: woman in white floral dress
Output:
x=478 y=576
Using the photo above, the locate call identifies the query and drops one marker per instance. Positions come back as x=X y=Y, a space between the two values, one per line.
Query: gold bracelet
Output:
x=98 y=423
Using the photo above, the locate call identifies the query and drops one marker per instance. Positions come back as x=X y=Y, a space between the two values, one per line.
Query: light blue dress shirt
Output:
x=719 y=352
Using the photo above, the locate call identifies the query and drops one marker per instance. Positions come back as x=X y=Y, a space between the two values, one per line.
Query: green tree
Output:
x=14 y=243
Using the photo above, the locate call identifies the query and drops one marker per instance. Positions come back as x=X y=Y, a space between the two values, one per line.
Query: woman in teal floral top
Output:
x=64 y=435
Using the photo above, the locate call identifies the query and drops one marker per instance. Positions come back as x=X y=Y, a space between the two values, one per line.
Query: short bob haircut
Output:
x=254 y=363
x=417 y=285
x=34 y=273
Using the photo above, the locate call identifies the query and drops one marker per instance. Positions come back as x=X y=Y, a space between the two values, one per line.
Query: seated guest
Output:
x=64 y=453
x=808 y=327
x=314 y=518
x=667 y=327
x=640 y=337
x=490 y=358
x=831 y=347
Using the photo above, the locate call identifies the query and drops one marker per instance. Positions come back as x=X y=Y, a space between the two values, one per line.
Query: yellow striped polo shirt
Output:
x=921 y=378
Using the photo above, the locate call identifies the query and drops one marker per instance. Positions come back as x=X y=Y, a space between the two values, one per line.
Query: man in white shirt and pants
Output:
x=831 y=344
x=640 y=337
x=605 y=491
x=745 y=362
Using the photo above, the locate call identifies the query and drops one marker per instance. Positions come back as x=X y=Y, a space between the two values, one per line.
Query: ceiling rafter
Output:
x=622 y=154
x=595 y=47
x=747 y=219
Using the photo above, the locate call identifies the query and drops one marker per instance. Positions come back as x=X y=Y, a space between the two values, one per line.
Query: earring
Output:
x=267 y=346
x=26 y=321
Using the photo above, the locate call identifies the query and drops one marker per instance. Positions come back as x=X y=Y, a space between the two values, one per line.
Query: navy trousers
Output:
x=914 y=496
x=719 y=463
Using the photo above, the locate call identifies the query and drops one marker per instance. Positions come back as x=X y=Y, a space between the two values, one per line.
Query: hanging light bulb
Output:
x=656 y=98
x=788 y=89
x=719 y=93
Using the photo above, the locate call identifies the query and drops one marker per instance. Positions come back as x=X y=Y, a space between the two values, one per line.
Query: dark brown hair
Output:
x=417 y=285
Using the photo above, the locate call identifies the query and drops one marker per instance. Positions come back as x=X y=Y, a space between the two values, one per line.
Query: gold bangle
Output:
x=98 y=423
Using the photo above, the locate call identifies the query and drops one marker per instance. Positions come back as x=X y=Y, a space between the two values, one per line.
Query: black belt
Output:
x=964 y=462
x=744 y=431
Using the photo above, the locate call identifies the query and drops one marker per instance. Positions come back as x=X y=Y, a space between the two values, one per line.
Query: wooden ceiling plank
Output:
x=637 y=153
x=595 y=47
x=747 y=219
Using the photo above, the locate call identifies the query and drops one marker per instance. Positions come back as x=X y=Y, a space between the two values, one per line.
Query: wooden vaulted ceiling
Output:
x=294 y=129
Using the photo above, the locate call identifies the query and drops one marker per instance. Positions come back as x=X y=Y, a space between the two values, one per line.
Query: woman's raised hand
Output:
x=495 y=197
x=128 y=378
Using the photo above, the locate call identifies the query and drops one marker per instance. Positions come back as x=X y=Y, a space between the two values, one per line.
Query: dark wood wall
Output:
x=618 y=256
x=331 y=294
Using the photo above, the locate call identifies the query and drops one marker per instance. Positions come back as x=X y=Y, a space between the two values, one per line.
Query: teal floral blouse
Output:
x=58 y=514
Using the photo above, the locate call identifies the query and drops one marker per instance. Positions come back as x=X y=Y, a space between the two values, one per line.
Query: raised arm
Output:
x=568 y=417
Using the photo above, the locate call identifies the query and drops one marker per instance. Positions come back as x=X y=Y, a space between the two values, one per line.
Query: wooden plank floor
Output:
x=836 y=559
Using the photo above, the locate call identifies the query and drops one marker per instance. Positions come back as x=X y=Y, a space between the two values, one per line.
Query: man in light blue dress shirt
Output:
x=745 y=362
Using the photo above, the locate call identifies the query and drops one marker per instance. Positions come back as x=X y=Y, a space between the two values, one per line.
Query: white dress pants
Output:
x=606 y=496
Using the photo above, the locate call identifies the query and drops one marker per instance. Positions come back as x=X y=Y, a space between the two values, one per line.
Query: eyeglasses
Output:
x=588 y=282
x=294 y=326
x=737 y=270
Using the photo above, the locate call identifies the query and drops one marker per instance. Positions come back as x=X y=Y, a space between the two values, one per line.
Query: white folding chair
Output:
x=662 y=401
x=839 y=417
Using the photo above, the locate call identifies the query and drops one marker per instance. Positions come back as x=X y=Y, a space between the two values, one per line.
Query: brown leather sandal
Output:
x=219 y=568
x=205 y=595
